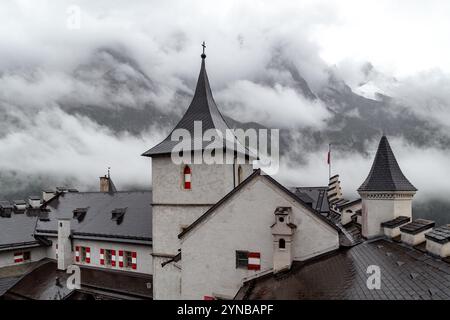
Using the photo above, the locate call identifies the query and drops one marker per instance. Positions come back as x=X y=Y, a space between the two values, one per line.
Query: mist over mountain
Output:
x=75 y=102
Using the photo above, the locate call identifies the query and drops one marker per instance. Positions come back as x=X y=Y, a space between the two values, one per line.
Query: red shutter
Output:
x=18 y=257
x=77 y=254
x=134 y=260
x=88 y=255
x=187 y=178
x=121 y=258
x=113 y=258
x=254 y=261
x=102 y=256
x=208 y=298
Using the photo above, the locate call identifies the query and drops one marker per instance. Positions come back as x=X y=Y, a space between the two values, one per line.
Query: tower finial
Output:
x=204 y=47
x=109 y=169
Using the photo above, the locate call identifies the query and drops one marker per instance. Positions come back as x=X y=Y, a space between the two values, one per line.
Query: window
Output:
x=241 y=259
x=240 y=175
x=83 y=254
x=187 y=178
x=108 y=257
x=26 y=256
x=281 y=244
x=128 y=259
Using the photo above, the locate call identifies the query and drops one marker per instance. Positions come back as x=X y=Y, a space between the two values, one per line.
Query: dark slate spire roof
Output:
x=202 y=108
x=386 y=174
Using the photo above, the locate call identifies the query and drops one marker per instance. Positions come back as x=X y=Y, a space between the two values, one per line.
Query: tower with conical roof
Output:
x=184 y=191
x=386 y=193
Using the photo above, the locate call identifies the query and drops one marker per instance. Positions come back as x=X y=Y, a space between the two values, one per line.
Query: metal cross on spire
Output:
x=204 y=47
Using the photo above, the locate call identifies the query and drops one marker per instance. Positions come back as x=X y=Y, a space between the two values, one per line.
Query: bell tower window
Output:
x=282 y=244
x=187 y=178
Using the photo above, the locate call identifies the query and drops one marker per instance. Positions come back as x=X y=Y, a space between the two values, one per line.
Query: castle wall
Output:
x=243 y=223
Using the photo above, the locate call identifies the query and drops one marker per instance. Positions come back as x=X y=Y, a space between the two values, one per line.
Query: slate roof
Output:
x=440 y=234
x=406 y=274
x=316 y=195
x=17 y=230
x=202 y=108
x=386 y=174
x=46 y=282
x=135 y=226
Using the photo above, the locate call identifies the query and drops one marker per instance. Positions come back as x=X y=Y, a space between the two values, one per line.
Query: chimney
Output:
x=413 y=233
x=104 y=184
x=438 y=241
x=282 y=232
x=34 y=202
x=47 y=195
x=65 y=257
x=391 y=228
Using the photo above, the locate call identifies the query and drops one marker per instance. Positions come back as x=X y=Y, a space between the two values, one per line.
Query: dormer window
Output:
x=79 y=214
x=187 y=178
x=118 y=214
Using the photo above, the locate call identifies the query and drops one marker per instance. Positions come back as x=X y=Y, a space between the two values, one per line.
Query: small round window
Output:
x=281 y=219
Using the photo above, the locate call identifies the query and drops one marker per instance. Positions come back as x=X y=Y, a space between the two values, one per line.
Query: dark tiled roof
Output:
x=394 y=223
x=318 y=196
x=17 y=230
x=135 y=225
x=386 y=174
x=440 y=234
x=46 y=282
x=406 y=274
x=417 y=226
x=255 y=174
x=202 y=108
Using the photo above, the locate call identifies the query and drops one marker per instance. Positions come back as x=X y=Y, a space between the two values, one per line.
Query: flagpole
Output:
x=329 y=161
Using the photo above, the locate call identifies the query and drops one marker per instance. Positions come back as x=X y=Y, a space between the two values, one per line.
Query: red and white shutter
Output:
x=113 y=258
x=254 y=261
x=121 y=258
x=102 y=256
x=134 y=260
x=88 y=255
x=18 y=257
x=56 y=251
x=77 y=254
x=187 y=178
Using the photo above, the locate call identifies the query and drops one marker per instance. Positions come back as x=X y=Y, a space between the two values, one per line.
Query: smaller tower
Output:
x=282 y=232
x=386 y=193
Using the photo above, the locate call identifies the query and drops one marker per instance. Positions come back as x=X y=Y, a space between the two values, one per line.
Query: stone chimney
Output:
x=106 y=184
x=282 y=232
x=65 y=257
x=438 y=241
x=414 y=233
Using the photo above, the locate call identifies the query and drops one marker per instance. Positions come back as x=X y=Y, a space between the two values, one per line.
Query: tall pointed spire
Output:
x=202 y=108
x=386 y=174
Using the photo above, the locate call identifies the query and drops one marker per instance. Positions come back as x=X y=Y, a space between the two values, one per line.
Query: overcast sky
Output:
x=403 y=40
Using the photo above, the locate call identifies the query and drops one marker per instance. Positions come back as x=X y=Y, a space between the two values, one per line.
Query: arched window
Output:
x=187 y=178
x=281 y=244
x=240 y=175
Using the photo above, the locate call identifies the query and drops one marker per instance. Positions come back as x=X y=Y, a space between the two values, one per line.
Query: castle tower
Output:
x=386 y=193
x=184 y=191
